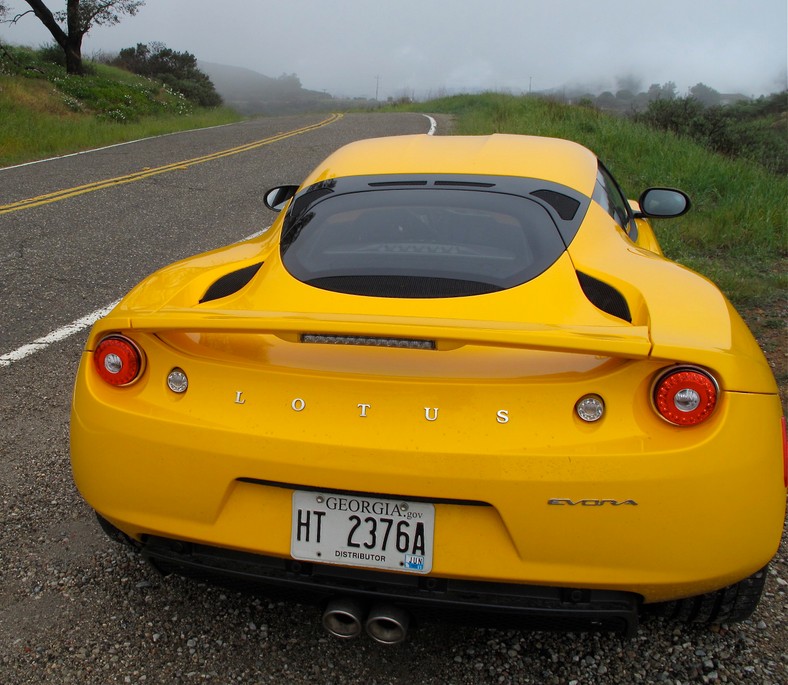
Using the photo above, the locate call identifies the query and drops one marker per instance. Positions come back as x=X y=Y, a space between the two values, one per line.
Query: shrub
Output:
x=753 y=130
x=176 y=69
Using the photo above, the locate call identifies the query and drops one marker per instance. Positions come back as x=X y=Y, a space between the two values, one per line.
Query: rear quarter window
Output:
x=610 y=198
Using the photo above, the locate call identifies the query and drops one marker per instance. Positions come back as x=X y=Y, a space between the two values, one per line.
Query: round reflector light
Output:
x=686 y=396
x=118 y=360
x=177 y=381
x=590 y=408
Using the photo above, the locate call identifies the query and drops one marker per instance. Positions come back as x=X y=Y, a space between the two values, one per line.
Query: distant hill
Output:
x=250 y=92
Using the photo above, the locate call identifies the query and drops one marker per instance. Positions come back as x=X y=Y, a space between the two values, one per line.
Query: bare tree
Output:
x=80 y=16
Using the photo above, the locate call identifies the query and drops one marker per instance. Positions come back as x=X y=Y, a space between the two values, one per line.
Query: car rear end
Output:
x=444 y=392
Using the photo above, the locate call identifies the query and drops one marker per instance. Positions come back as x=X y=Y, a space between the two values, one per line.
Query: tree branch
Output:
x=48 y=20
x=17 y=18
x=99 y=9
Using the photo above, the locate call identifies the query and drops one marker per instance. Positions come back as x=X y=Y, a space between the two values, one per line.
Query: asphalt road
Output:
x=74 y=607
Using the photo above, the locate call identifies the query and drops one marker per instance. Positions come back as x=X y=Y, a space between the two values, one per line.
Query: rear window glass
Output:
x=420 y=242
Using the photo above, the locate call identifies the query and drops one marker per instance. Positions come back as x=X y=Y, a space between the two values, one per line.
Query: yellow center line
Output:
x=66 y=193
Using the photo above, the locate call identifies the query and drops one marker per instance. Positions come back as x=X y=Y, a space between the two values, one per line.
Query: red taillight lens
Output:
x=685 y=396
x=118 y=360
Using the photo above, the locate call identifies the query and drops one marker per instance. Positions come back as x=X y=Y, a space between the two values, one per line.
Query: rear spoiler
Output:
x=617 y=341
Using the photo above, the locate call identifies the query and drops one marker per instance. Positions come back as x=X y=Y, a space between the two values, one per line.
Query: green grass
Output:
x=736 y=233
x=45 y=112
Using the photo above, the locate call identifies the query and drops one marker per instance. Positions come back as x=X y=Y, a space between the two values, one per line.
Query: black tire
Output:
x=733 y=603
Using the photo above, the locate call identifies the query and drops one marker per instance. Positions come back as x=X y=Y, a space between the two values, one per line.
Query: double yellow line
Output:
x=58 y=195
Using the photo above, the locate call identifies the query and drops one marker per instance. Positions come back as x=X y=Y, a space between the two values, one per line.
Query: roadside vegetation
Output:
x=177 y=70
x=731 y=124
x=753 y=129
x=45 y=112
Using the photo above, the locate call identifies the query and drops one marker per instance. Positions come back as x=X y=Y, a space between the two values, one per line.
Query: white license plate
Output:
x=362 y=531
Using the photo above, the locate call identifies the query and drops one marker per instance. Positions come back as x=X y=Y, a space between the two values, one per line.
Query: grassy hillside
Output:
x=736 y=232
x=44 y=112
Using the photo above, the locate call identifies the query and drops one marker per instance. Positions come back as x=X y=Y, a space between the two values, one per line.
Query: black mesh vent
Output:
x=231 y=283
x=403 y=286
x=465 y=184
x=604 y=296
x=563 y=204
x=393 y=184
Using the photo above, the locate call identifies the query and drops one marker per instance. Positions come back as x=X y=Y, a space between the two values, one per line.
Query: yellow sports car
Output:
x=456 y=375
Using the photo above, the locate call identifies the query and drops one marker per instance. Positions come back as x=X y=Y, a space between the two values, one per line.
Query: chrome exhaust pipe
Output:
x=387 y=624
x=343 y=617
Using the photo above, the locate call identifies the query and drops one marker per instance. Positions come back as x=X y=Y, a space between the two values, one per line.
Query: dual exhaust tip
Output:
x=346 y=617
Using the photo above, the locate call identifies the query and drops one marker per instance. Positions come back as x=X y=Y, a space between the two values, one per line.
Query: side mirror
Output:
x=276 y=198
x=663 y=203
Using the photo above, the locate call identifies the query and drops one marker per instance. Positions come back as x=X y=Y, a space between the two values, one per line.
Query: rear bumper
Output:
x=495 y=604
x=631 y=505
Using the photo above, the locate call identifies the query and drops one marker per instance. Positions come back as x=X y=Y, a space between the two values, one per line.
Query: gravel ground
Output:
x=127 y=625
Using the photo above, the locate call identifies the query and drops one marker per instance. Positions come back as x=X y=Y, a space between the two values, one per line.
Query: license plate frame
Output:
x=362 y=531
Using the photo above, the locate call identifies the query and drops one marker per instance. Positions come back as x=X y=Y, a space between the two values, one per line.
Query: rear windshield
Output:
x=420 y=242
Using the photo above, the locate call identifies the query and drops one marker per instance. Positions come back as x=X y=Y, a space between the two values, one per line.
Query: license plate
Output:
x=362 y=531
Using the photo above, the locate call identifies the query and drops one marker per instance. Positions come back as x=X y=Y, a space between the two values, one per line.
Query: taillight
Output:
x=685 y=396
x=118 y=360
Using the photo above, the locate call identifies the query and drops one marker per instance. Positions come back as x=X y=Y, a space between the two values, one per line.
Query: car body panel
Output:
x=483 y=424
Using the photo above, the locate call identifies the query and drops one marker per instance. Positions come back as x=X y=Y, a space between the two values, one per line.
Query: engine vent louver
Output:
x=563 y=204
x=403 y=343
x=230 y=283
x=604 y=296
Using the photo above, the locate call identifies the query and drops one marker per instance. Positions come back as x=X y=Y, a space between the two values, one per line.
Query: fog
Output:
x=422 y=48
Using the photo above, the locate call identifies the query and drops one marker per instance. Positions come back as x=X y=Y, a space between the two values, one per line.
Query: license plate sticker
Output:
x=351 y=530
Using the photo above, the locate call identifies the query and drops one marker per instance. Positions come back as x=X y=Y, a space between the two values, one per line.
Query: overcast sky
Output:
x=427 y=47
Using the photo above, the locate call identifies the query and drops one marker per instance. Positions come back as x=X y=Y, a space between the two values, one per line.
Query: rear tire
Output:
x=730 y=604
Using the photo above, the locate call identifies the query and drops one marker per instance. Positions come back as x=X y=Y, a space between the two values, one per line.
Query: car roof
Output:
x=549 y=159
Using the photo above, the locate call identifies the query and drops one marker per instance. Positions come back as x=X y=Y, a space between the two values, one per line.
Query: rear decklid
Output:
x=550 y=313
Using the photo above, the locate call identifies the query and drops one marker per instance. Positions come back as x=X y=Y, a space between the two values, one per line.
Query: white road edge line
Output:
x=109 y=147
x=74 y=327
x=89 y=319
x=433 y=125
x=55 y=336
